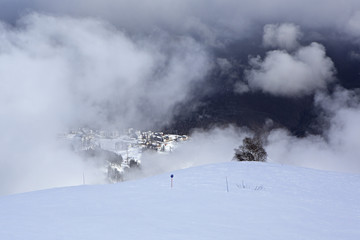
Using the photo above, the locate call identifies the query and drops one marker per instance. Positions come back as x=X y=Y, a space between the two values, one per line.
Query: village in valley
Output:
x=119 y=152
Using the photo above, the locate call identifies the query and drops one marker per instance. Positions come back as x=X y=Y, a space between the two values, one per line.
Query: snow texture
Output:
x=264 y=201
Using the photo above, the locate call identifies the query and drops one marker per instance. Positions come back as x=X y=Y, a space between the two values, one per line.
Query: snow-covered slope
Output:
x=264 y=201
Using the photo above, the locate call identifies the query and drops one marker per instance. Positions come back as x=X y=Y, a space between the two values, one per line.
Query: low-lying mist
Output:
x=130 y=64
x=58 y=73
x=337 y=149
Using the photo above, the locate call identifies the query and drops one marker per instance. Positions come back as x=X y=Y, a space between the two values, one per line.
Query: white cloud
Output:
x=62 y=72
x=57 y=72
x=339 y=147
x=291 y=75
x=97 y=71
x=283 y=36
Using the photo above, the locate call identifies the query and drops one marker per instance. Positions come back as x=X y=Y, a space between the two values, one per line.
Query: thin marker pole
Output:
x=227 y=185
x=83 y=178
x=172 y=177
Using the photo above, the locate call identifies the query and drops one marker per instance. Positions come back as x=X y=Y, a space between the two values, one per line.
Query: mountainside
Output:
x=261 y=201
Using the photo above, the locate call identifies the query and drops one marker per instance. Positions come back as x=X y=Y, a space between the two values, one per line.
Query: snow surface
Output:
x=265 y=201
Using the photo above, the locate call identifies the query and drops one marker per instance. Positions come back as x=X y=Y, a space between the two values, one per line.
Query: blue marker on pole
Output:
x=172 y=177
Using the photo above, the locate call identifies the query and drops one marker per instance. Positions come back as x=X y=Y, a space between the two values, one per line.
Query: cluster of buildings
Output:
x=128 y=145
x=85 y=139
x=159 y=141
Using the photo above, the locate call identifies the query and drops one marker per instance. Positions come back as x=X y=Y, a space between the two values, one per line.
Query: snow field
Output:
x=265 y=201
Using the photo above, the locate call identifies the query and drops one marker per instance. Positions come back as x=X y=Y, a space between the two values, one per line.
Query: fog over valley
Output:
x=187 y=80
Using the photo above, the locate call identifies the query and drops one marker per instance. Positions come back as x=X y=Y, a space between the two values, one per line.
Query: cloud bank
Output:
x=63 y=72
x=129 y=63
x=291 y=75
x=337 y=149
x=291 y=70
